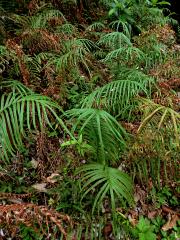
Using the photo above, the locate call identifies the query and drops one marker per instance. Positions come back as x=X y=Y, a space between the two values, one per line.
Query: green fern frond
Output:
x=75 y=51
x=156 y=55
x=22 y=110
x=125 y=54
x=16 y=87
x=117 y=95
x=38 y=21
x=100 y=130
x=134 y=74
x=109 y=181
x=121 y=25
x=96 y=26
x=115 y=40
x=36 y=64
x=67 y=28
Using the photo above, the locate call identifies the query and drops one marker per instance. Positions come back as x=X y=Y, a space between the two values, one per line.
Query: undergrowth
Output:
x=89 y=120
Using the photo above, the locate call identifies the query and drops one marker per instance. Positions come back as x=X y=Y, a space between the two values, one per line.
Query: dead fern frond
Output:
x=14 y=195
x=13 y=46
x=40 y=218
x=41 y=39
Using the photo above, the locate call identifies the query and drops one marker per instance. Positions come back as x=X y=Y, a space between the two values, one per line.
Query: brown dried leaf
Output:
x=40 y=187
x=52 y=178
x=153 y=214
x=172 y=219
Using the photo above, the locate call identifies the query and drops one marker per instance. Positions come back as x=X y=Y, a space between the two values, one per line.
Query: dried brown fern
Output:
x=41 y=40
x=14 y=195
x=12 y=45
x=40 y=218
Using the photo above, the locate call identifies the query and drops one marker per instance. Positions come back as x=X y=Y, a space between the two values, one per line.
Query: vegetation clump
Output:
x=89 y=120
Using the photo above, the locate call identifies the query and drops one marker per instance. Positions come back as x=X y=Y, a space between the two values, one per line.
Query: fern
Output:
x=121 y=25
x=125 y=54
x=38 y=21
x=96 y=26
x=156 y=55
x=75 y=52
x=110 y=181
x=115 y=40
x=67 y=29
x=100 y=130
x=37 y=64
x=117 y=96
x=21 y=109
x=160 y=117
x=16 y=87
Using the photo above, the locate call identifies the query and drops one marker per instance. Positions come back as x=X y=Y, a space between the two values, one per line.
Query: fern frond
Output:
x=115 y=40
x=75 y=51
x=38 y=21
x=117 y=95
x=100 y=130
x=160 y=117
x=125 y=54
x=96 y=26
x=67 y=28
x=36 y=64
x=110 y=182
x=121 y=25
x=16 y=87
x=156 y=55
x=22 y=110
x=32 y=215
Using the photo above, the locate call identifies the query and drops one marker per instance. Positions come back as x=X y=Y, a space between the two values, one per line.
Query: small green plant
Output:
x=28 y=233
x=144 y=230
x=82 y=147
x=164 y=196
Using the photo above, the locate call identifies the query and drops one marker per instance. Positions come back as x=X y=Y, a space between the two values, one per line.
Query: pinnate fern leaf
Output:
x=116 y=96
x=22 y=111
x=100 y=130
x=109 y=181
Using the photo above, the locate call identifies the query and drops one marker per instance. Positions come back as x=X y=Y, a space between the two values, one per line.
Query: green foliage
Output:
x=27 y=233
x=164 y=197
x=118 y=96
x=100 y=130
x=103 y=133
x=38 y=21
x=115 y=40
x=139 y=14
x=75 y=52
x=67 y=195
x=109 y=180
x=102 y=61
x=21 y=110
x=144 y=230
x=160 y=117
x=155 y=3
x=81 y=146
